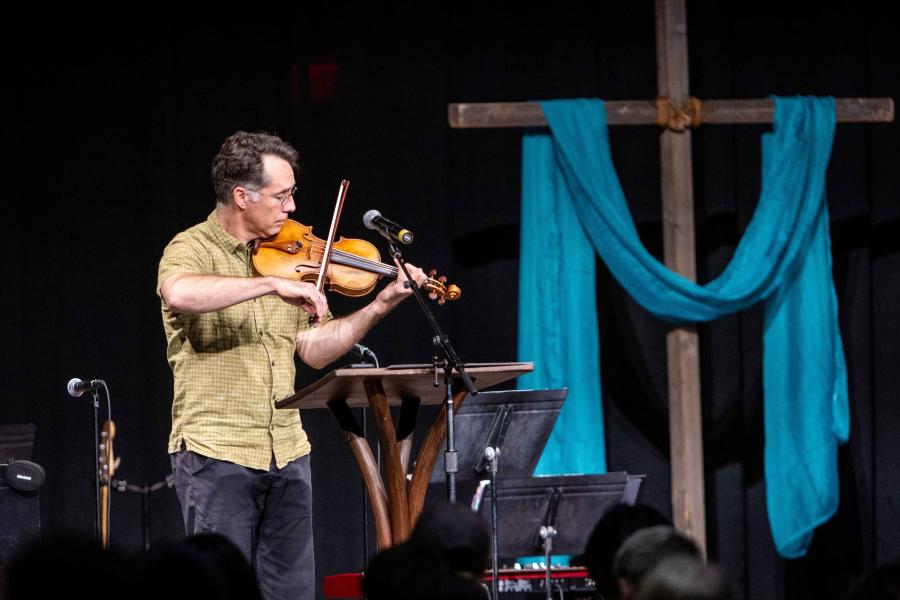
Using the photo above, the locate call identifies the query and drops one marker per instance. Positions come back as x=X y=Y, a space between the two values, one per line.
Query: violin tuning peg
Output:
x=432 y=295
x=442 y=300
x=442 y=279
x=432 y=272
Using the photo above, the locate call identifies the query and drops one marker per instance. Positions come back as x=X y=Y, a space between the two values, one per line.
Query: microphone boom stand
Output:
x=449 y=363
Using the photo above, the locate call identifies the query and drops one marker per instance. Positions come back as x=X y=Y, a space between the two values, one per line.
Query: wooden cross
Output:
x=677 y=112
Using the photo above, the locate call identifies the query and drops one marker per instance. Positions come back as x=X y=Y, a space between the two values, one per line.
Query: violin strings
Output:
x=358 y=261
x=353 y=260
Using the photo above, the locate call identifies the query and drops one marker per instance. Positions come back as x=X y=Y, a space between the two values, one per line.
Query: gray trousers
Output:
x=266 y=514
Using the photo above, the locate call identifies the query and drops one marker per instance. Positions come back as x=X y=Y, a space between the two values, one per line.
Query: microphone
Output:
x=373 y=220
x=77 y=387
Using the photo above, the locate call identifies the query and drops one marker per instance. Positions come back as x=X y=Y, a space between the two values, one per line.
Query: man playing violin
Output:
x=241 y=466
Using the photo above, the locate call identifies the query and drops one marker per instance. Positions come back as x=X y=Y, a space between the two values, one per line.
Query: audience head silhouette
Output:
x=444 y=557
x=63 y=565
x=684 y=577
x=643 y=550
x=206 y=565
x=611 y=530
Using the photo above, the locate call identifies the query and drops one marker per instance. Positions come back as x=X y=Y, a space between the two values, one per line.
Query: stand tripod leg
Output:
x=359 y=446
x=428 y=453
x=395 y=478
x=374 y=487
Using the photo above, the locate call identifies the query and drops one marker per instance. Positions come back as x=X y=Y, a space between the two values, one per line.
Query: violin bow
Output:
x=326 y=257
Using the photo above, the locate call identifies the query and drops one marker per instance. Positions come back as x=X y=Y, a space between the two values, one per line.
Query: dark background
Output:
x=108 y=133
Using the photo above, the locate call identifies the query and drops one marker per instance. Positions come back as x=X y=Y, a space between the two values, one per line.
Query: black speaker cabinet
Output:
x=20 y=519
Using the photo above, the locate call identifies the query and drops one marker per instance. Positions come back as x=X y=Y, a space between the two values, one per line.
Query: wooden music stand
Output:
x=394 y=506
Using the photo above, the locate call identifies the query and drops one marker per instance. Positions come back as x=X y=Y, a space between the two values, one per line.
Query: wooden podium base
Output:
x=396 y=506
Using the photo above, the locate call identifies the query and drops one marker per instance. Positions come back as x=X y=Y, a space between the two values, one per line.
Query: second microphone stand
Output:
x=98 y=516
x=449 y=363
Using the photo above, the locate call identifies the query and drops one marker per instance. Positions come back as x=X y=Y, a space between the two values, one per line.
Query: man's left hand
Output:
x=400 y=289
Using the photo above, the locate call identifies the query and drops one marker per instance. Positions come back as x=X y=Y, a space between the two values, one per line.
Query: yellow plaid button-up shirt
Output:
x=230 y=366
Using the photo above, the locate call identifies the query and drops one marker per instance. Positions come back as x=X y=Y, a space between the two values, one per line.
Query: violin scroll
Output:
x=438 y=289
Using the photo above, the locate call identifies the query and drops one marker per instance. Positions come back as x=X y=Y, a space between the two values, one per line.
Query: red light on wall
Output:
x=322 y=78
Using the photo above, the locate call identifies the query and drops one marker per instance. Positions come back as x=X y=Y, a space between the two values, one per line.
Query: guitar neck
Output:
x=105 y=469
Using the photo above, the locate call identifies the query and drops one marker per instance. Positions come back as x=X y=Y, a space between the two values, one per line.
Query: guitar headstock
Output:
x=438 y=288
x=108 y=463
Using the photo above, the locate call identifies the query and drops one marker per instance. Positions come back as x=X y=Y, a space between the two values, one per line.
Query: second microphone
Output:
x=375 y=221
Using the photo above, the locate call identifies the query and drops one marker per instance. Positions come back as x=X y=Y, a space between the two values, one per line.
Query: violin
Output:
x=353 y=269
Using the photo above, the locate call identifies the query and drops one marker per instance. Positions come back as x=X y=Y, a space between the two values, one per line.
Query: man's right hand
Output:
x=302 y=294
x=198 y=294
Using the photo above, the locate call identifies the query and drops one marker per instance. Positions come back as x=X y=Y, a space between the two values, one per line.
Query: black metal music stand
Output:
x=557 y=514
x=516 y=422
x=509 y=428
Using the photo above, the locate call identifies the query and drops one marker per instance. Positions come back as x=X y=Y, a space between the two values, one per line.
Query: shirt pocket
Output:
x=281 y=319
x=221 y=330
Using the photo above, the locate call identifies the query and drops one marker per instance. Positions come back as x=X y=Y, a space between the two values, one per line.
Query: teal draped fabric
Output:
x=783 y=259
x=558 y=314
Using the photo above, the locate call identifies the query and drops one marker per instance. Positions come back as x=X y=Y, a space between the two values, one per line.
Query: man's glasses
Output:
x=283 y=197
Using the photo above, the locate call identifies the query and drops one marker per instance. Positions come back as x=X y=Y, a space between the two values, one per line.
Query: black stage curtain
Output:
x=108 y=136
